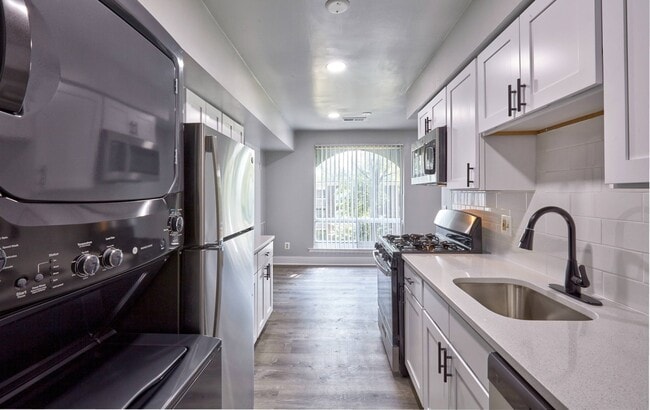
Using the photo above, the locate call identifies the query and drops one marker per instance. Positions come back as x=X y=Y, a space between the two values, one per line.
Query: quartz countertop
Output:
x=262 y=241
x=600 y=363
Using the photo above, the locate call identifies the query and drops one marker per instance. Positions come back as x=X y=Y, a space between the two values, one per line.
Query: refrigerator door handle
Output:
x=217 y=302
x=212 y=148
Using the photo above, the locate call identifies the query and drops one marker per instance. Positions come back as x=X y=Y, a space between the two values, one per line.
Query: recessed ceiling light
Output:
x=333 y=115
x=337 y=66
x=366 y=113
x=337 y=6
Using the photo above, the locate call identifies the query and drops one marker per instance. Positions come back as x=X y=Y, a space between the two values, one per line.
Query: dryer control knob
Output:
x=86 y=265
x=112 y=258
x=3 y=259
x=176 y=223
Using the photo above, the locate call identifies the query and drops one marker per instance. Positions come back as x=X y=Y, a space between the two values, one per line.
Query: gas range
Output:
x=456 y=233
x=419 y=243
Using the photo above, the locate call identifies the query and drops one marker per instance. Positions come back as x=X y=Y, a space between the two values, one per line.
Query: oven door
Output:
x=386 y=302
x=92 y=112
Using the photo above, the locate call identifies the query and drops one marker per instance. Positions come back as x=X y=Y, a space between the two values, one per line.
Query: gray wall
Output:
x=289 y=186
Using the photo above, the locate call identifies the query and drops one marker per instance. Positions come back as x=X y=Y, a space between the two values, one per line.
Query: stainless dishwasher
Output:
x=508 y=390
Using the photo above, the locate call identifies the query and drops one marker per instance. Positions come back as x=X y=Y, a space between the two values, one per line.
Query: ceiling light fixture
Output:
x=337 y=66
x=333 y=115
x=337 y=6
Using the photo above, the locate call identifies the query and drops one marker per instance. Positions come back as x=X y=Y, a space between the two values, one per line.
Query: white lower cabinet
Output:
x=413 y=335
x=263 y=289
x=442 y=378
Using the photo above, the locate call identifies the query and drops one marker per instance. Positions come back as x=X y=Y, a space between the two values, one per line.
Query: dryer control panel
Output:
x=48 y=250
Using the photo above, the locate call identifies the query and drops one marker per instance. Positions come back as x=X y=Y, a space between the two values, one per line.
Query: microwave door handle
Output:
x=15 y=55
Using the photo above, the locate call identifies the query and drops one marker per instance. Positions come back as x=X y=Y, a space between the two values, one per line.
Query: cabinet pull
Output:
x=409 y=280
x=267 y=275
x=520 y=91
x=511 y=109
x=445 y=375
x=426 y=125
x=439 y=360
x=267 y=253
x=469 y=181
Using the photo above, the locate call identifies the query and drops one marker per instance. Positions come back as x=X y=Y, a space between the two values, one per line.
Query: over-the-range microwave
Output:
x=429 y=158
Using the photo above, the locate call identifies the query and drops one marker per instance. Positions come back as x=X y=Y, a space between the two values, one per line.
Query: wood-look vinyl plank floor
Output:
x=321 y=347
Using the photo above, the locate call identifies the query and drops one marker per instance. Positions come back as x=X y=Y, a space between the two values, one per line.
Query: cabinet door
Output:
x=268 y=291
x=462 y=137
x=193 y=107
x=424 y=120
x=435 y=390
x=625 y=89
x=498 y=69
x=255 y=317
x=238 y=132
x=413 y=341
x=559 y=43
x=212 y=117
x=259 y=302
x=466 y=392
x=439 y=109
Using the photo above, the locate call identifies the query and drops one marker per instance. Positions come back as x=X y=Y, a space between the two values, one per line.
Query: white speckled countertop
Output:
x=596 y=364
x=262 y=241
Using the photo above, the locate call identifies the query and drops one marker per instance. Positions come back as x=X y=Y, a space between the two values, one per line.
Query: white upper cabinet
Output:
x=625 y=88
x=212 y=117
x=434 y=114
x=462 y=136
x=550 y=52
x=498 y=70
x=199 y=110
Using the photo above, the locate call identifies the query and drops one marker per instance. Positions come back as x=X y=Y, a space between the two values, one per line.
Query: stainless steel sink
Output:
x=517 y=301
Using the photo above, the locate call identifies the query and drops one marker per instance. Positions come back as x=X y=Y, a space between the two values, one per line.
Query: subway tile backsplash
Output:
x=611 y=224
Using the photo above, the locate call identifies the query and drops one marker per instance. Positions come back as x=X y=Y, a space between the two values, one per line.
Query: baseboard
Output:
x=324 y=260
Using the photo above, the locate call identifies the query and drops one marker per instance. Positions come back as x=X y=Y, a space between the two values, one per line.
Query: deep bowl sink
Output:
x=517 y=301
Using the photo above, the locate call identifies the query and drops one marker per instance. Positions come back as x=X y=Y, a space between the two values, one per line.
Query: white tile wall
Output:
x=611 y=224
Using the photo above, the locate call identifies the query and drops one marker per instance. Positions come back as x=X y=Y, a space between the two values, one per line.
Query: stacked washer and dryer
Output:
x=91 y=212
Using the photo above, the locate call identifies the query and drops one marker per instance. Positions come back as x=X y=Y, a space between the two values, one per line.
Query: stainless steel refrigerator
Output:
x=217 y=260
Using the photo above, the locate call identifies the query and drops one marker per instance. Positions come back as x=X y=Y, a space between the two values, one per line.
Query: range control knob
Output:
x=112 y=258
x=86 y=265
x=176 y=223
x=3 y=259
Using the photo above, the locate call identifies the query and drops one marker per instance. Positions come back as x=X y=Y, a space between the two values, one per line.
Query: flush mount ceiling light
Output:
x=337 y=6
x=333 y=115
x=337 y=66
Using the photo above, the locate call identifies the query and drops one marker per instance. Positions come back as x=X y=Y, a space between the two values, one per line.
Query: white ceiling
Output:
x=385 y=44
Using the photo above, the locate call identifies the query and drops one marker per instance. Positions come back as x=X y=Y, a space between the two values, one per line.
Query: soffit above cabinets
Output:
x=386 y=44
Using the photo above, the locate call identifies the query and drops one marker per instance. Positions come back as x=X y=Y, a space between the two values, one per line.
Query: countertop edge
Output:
x=262 y=241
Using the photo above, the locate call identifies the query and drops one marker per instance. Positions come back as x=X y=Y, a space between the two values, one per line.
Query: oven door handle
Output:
x=380 y=264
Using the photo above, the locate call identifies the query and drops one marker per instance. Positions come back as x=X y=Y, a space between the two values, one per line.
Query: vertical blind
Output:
x=357 y=195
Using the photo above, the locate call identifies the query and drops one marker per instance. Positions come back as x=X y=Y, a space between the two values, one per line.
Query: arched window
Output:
x=358 y=195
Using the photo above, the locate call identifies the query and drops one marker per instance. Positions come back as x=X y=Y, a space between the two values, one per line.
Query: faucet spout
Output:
x=575 y=276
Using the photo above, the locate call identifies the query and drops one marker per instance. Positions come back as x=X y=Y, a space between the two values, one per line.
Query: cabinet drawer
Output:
x=264 y=256
x=413 y=282
x=437 y=309
x=470 y=346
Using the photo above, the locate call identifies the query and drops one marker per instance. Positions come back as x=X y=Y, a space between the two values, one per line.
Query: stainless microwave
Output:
x=429 y=158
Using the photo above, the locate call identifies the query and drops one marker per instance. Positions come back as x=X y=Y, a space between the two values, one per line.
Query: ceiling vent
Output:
x=354 y=119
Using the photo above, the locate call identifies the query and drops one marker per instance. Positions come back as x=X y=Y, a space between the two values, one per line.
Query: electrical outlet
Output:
x=506 y=225
x=287 y=245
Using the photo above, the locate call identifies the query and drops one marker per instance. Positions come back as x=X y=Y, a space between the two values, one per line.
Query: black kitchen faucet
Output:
x=575 y=276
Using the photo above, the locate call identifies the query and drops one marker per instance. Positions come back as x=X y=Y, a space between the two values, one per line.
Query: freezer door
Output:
x=234 y=180
x=219 y=186
x=199 y=292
